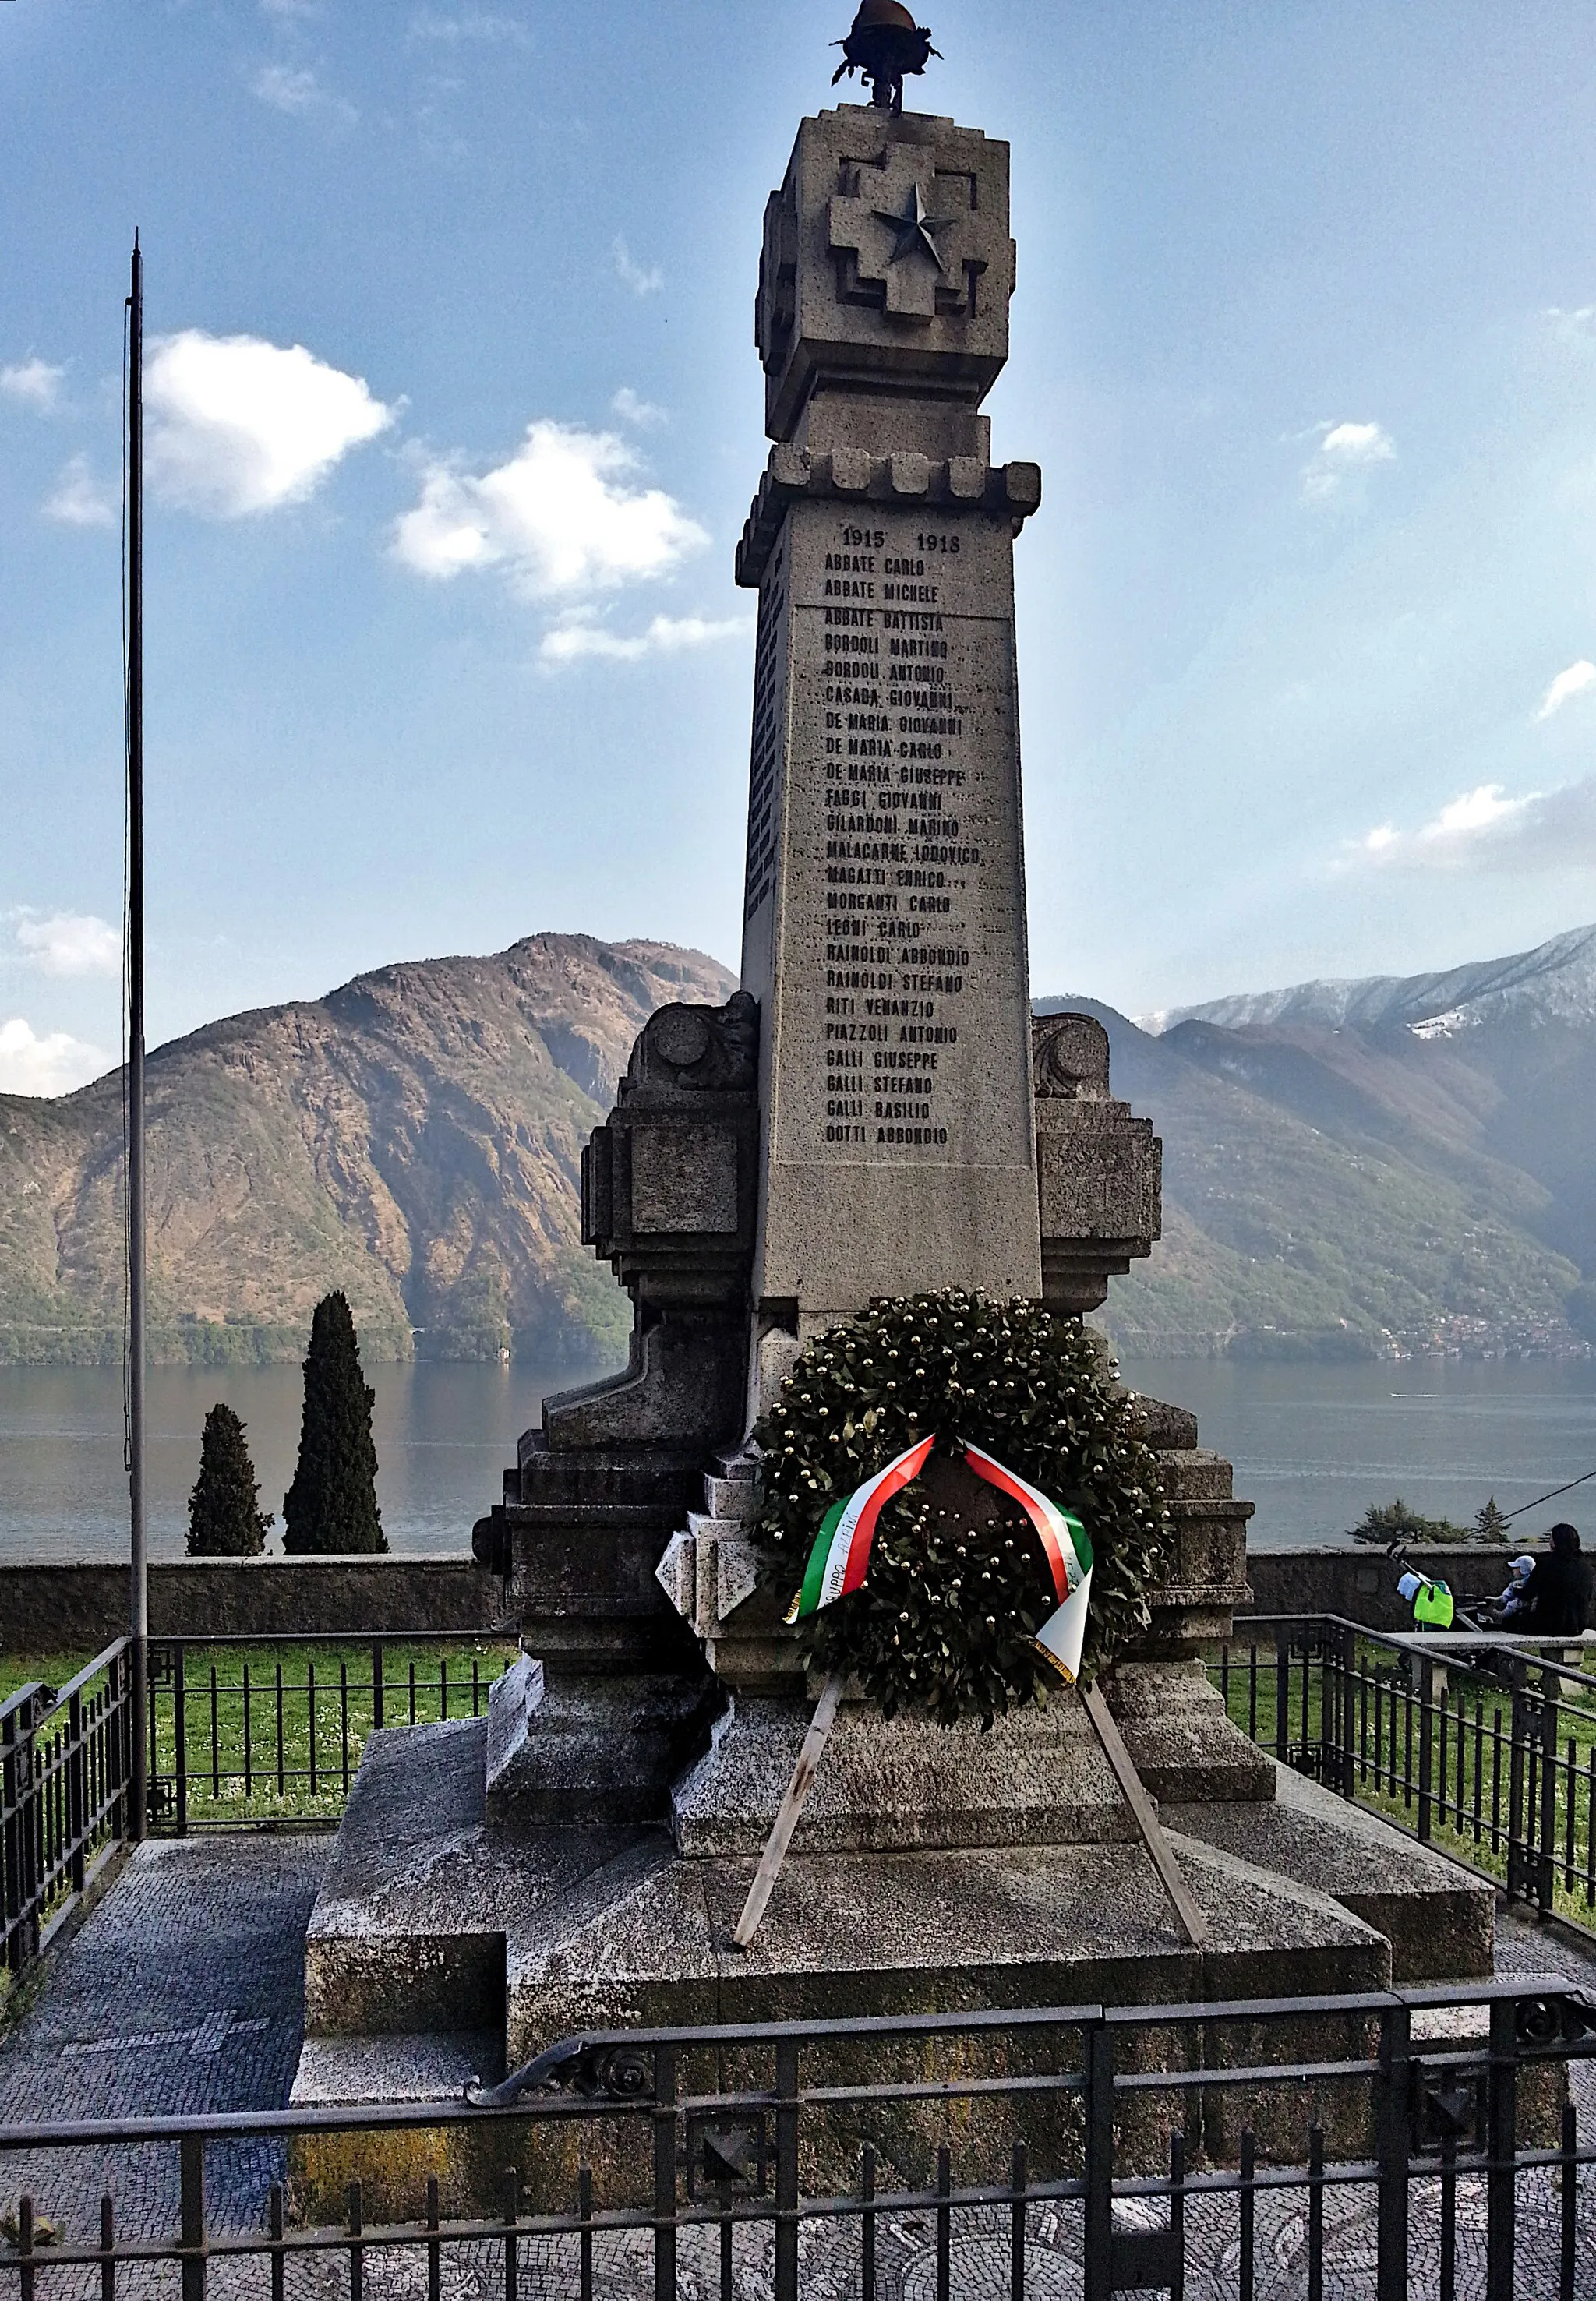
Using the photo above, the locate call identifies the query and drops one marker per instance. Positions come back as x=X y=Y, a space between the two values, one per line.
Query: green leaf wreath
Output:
x=944 y=1623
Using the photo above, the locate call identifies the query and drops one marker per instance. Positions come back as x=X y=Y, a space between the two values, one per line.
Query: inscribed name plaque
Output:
x=884 y=928
x=884 y=932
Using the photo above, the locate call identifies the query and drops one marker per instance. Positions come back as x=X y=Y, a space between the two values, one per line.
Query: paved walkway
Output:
x=183 y=1993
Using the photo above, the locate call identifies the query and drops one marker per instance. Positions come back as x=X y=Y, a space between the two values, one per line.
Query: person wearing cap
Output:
x=1511 y=1602
x=1557 y=1596
x=1432 y=1601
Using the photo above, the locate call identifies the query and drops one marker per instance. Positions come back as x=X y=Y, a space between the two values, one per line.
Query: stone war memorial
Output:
x=861 y=1211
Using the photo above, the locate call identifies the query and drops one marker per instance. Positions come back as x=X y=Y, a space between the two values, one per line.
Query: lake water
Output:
x=1312 y=1444
x=445 y=1435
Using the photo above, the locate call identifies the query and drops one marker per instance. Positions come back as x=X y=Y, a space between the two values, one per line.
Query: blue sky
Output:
x=455 y=416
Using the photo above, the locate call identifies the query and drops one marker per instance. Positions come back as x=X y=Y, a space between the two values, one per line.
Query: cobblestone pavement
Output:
x=183 y=1993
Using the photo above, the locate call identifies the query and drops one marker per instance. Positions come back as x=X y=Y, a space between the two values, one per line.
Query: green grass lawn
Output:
x=274 y=1733
x=1476 y=1761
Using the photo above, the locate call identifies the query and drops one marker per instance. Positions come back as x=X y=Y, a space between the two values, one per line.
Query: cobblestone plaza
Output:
x=182 y=1995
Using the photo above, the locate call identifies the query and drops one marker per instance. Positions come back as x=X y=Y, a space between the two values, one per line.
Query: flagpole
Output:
x=139 y=1619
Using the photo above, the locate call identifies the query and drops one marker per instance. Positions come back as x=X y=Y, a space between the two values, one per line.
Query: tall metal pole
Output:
x=139 y=1620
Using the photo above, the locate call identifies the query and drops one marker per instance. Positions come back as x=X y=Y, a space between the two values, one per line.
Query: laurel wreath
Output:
x=944 y=1624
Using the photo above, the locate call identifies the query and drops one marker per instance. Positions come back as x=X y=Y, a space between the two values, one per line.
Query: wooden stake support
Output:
x=788 y=1811
x=1188 y=1917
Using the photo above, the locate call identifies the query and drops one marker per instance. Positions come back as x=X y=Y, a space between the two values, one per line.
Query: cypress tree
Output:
x=332 y=1502
x=223 y=1521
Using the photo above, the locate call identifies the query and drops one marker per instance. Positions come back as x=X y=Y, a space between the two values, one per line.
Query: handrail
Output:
x=23 y=1697
x=1438 y=1645
x=231 y=1638
x=59 y=1696
x=1534 y=1989
x=102 y=1661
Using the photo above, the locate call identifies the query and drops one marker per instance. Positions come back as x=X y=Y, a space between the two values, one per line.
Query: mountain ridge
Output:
x=1339 y=1179
x=1439 y=1005
x=413 y=1137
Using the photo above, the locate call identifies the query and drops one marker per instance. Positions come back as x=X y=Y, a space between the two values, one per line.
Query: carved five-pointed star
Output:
x=914 y=226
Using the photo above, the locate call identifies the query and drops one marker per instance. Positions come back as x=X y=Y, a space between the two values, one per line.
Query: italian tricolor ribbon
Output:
x=840 y=1558
x=1067 y=1549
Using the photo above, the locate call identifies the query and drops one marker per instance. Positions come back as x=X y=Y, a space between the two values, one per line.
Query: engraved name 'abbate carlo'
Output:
x=886 y=640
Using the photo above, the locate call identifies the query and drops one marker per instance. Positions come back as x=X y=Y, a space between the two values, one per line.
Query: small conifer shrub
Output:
x=224 y=1519
x=1491 y=1521
x=332 y=1505
x=1395 y=1521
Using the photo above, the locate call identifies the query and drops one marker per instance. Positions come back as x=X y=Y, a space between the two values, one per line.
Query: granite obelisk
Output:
x=884 y=926
x=872 y=1112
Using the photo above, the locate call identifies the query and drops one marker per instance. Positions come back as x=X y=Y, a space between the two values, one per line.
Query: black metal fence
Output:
x=1380 y=2144
x=63 y=1797
x=1484 y=1747
x=246 y=1732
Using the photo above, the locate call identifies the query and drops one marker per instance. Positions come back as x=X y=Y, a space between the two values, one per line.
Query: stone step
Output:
x=1439 y=1922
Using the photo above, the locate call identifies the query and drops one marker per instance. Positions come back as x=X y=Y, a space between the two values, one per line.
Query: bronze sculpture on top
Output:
x=884 y=45
x=875 y=1114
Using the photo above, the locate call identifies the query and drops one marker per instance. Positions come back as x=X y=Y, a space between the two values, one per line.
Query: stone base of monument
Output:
x=932 y=1870
x=579 y=1859
x=1439 y=1921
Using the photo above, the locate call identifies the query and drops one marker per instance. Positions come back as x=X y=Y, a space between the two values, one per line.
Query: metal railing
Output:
x=63 y=1798
x=1365 y=2139
x=247 y=1731
x=1484 y=1747
x=242 y=1733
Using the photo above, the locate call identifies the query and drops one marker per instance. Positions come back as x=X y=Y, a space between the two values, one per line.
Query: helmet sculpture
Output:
x=884 y=45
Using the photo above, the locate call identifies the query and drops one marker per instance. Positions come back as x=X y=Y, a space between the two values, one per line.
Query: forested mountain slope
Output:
x=415 y=1138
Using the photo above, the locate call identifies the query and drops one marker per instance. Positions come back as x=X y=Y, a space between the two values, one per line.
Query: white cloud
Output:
x=77 y=502
x=559 y=517
x=1468 y=829
x=35 y=383
x=454 y=26
x=632 y=409
x=1484 y=830
x=68 y=942
x=52 y=1065
x=294 y=89
x=1345 y=450
x=1565 y=686
x=665 y=635
x=627 y=268
x=1484 y=808
x=241 y=426
x=1357 y=443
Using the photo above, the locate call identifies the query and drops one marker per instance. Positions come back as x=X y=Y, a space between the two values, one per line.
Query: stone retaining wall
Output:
x=1362 y=1584
x=65 y=1609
